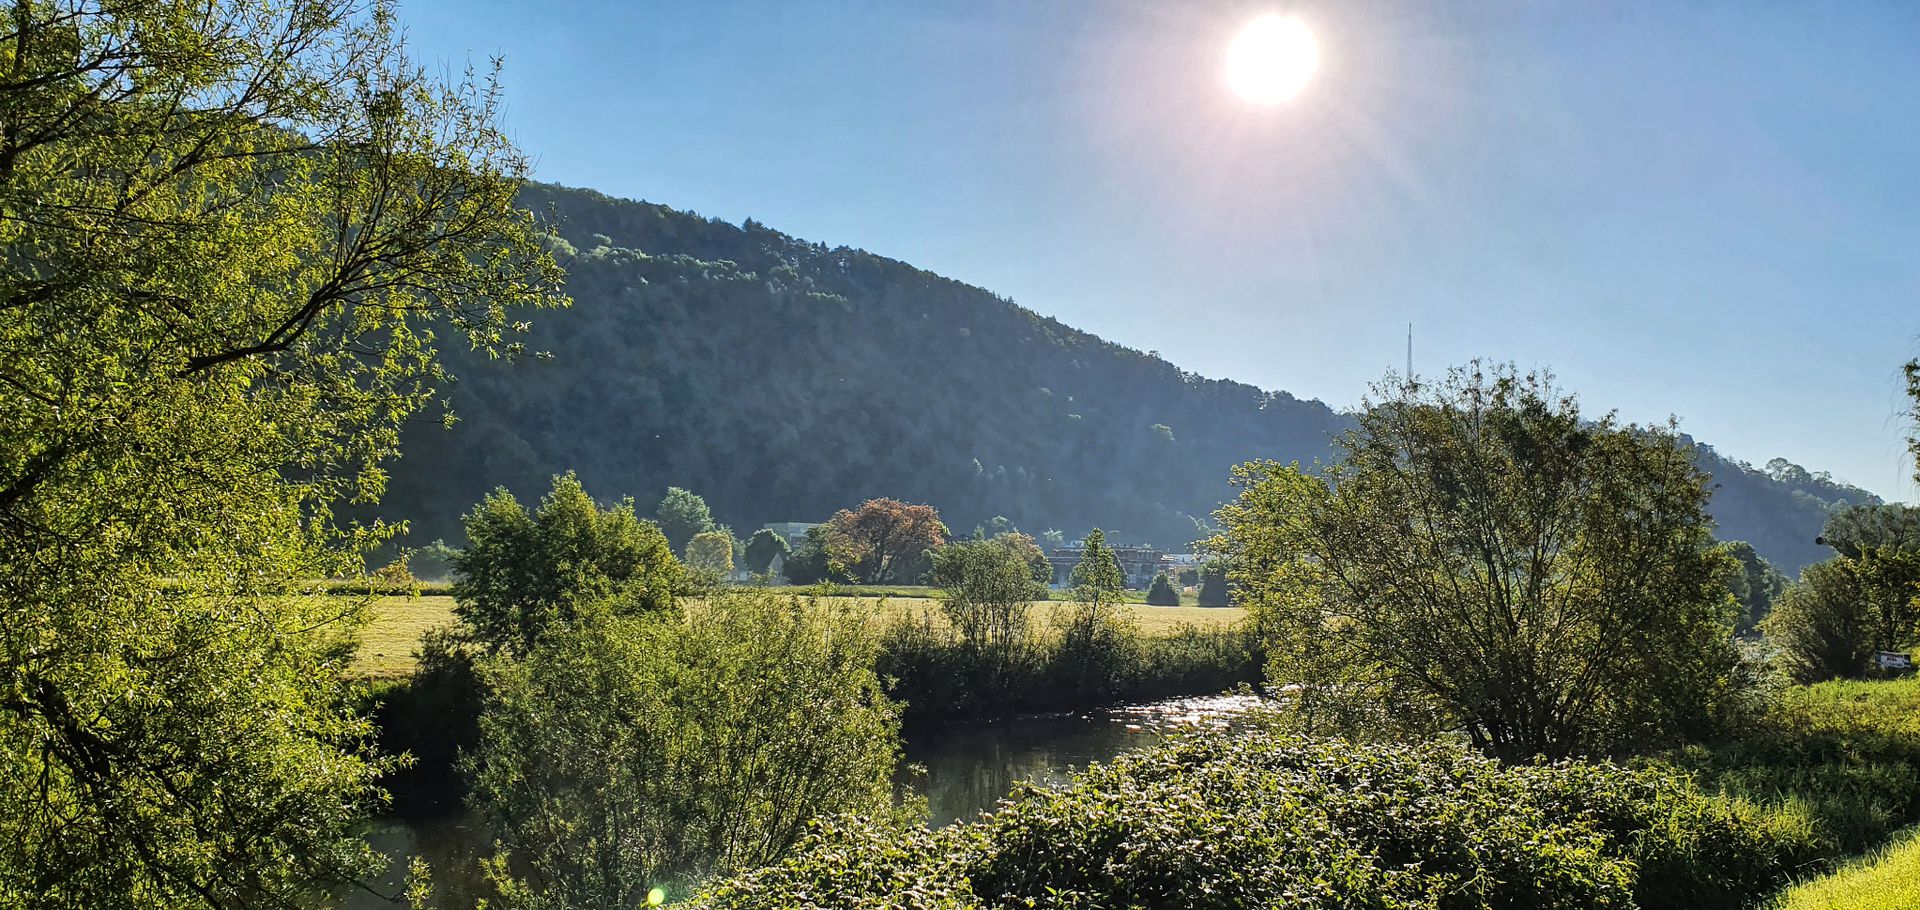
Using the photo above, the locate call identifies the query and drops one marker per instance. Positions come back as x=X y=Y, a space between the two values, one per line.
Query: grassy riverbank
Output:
x=1888 y=880
x=388 y=644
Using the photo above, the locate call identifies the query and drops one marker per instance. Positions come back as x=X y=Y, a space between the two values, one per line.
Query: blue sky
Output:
x=1710 y=211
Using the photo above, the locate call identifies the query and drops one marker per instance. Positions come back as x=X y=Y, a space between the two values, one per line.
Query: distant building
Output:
x=1138 y=562
x=1892 y=660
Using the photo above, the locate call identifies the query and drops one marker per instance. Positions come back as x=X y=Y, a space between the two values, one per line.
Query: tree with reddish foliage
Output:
x=882 y=534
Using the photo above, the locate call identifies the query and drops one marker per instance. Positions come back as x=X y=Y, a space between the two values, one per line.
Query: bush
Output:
x=1260 y=820
x=628 y=753
x=1829 y=623
x=1820 y=624
x=1092 y=660
x=1213 y=586
x=1161 y=592
x=523 y=571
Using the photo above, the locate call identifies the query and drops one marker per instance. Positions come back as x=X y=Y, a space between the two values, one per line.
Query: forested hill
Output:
x=784 y=380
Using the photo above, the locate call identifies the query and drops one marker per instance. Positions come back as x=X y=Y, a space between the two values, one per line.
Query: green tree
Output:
x=1854 y=529
x=1213 y=584
x=1098 y=644
x=521 y=572
x=1097 y=579
x=1486 y=559
x=763 y=549
x=682 y=514
x=629 y=753
x=1029 y=551
x=990 y=591
x=229 y=228
x=814 y=560
x=1912 y=371
x=1756 y=584
x=711 y=553
x=1161 y=593
x=1823 y=623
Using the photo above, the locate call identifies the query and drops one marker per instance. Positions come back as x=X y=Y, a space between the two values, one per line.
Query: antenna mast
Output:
x=1409 y=353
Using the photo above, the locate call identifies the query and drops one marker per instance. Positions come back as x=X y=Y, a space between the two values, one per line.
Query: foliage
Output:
x=814 y=561
x=1213 y=584
x=765 y=547
x=433 y=563
x=711 y=554
x=937 y=676
x=430 y=717
x=1831 y=621
x=1029 y=551
x=1161 y=593
x=681 y=515
x=881 y=535
x=1888 y=526
x=1485 y=559
x=628 y=753
x=522 y=571
x=813 y=341
x=1842 y=756
x=1257 y=820
x=230 y=230
x=1912 y=371
x=1098 y=644
x=1097 y=579
x=990 y=592
x=1821 y=624
x=1756 y=584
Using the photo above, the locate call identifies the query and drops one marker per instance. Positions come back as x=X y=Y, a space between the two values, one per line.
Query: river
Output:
x=961 y=770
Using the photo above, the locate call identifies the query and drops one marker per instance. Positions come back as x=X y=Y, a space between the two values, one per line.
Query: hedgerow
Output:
x=1270 y=821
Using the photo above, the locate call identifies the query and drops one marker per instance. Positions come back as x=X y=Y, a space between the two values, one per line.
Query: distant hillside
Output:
x=784 y=380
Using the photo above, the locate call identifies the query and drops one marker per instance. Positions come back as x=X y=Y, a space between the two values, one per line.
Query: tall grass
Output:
x=1845 y=756
x=1888 y=880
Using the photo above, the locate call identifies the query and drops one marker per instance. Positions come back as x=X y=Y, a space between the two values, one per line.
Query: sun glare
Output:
x=1271 y=59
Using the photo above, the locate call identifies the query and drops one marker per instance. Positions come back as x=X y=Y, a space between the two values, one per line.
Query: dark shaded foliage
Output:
x=786 y=379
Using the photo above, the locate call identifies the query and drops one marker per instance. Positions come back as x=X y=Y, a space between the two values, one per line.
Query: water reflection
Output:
x=961 y=769
x=969 y=767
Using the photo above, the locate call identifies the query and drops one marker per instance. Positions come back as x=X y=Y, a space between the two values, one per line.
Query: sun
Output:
x=1271 y=59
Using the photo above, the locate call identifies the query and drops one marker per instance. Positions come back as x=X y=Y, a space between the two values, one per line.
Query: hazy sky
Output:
x=1710 y=212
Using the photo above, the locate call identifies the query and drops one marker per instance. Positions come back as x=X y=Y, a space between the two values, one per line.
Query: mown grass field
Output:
x=1887 y=880
x=388 y=643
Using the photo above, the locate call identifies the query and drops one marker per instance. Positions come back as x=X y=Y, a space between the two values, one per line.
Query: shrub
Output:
x=1093 y=661
x=1829 y=623
x=1261 y=820
x=710 y=553
x=1213 y=585
x=763 y=548
x=1161 y=592
x=522 y=571
x=626 y=753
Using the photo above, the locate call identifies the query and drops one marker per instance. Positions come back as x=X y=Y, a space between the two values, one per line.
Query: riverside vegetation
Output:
x=237 y=235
